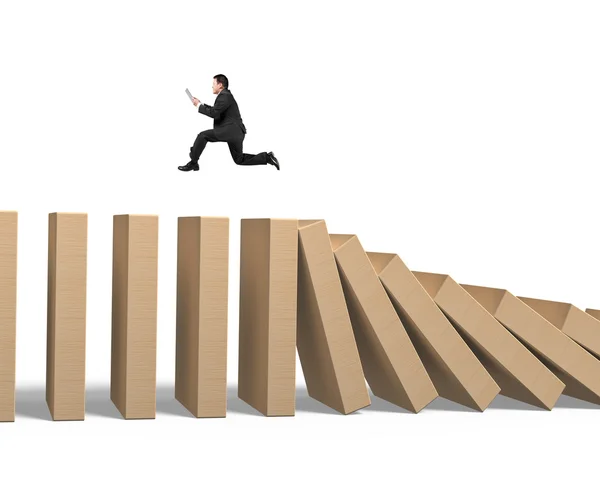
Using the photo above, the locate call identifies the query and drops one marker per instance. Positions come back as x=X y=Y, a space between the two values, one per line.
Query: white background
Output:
x=461 y=135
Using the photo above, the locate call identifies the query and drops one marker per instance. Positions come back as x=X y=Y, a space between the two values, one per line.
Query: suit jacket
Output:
x=226 y=114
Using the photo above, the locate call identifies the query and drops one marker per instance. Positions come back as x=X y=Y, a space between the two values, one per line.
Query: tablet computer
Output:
x=190 y=95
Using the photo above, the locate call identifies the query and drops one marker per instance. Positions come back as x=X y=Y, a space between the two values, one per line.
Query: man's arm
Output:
x=222 y=103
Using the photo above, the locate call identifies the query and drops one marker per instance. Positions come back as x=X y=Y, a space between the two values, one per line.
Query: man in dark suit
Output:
x=227 y=126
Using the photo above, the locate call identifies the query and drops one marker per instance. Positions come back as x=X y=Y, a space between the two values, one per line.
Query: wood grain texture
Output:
x=578 y=369
x=326 y=345
x=8 y=312
x=133 y=346
x=517 y=371
x=202 y=295
x=391 y=364
x=455 y=370
x=268 y=308
x=66 y=317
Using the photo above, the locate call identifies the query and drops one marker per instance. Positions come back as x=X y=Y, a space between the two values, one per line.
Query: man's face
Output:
x=217 y=87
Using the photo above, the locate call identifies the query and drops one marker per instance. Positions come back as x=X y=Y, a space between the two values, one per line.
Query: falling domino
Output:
x=594 y=313
x=572 y=364
x=517 y=371
x=326 y=345
x=455 y=370
x=391 y=364
x=572 y=321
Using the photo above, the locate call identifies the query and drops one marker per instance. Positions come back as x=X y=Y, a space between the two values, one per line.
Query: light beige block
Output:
x=8 y=313
x=580 y=326
x=515 y=369
x=390 y=362
x=267 y=323
x=134 y=302
x=326 y=345
x=67 y=279
x=593 y=312
x=455 y=370
x=572 y=364
x=201 y=331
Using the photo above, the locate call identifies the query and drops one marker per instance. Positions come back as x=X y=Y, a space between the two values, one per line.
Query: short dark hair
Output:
x=222 y=79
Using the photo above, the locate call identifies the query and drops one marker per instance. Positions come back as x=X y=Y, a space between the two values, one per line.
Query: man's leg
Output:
x=241 y=158
x=198 y=146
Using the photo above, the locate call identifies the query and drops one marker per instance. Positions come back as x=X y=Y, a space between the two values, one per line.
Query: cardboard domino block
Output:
x=267 y=332
x=517 y=371
x=8 y=312
x=390 y=362
x=134 y=301
x=594 y=313
x=201 y=331
x=67 y=278
x=325 y=340
x=572 y=364
x=455 y=370
x=572 y=321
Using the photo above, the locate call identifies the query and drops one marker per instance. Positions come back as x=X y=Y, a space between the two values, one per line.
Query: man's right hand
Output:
x=196 y=101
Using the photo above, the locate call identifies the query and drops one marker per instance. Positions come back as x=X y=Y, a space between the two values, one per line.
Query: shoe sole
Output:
x=275 y=160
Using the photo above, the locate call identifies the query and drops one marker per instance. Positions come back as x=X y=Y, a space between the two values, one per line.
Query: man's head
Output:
x=220 y=82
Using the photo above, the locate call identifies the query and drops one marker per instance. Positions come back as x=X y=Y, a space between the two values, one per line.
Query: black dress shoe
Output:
x=272 y=160
x=189 y=167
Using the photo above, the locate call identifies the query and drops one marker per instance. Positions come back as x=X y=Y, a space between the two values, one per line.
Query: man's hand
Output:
x=196 y=101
